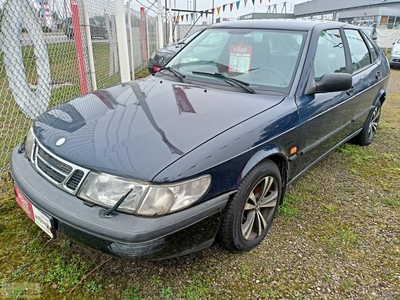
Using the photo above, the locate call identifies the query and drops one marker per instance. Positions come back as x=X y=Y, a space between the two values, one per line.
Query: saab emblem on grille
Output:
x=60 y=142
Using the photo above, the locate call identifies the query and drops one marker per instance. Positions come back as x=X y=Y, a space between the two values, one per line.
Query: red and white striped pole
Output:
x=78 y=46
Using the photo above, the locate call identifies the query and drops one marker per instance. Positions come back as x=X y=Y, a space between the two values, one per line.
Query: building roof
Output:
x=324 y=6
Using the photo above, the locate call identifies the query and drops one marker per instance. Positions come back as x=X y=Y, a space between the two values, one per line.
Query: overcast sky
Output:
x=207 y=4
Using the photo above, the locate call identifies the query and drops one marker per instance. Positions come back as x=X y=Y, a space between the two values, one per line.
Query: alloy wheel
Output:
x=373 y=125
x=259 y=208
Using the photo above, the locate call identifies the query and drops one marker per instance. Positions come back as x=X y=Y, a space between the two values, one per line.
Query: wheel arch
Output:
x=381 y=96
x=272 y=153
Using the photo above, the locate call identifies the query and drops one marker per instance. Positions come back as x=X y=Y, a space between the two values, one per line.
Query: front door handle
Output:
x=350 y=91
x=378 y=75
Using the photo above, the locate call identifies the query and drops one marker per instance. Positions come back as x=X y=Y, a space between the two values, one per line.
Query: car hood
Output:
x=138 y=128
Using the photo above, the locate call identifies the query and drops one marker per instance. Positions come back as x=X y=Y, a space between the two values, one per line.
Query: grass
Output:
x=65 y=274
x=288 y=207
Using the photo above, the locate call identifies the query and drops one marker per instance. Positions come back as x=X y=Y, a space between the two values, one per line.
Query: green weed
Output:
x=195 y=290
x=155 y=280
x=66 y=274
x=357 y=154
x=94 y=287
x=244 y=272
x=287 y=208
x=166 y=293
x=339 y=238
x=269 y=294
x=390 y=202
x=132 y=293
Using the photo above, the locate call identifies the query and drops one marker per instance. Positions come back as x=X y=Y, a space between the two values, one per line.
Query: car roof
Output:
x=288 y=24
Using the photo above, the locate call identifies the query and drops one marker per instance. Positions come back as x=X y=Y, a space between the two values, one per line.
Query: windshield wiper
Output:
x=107 y=212
x=232 y=81
x=175 y=72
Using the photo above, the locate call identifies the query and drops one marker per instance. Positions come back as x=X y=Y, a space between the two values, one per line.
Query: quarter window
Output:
x=358 y=50
x=329 y=57
x=374 y=54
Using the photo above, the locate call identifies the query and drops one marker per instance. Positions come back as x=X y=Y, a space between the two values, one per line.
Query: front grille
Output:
x=54 y=162
x=49 y=171
x=61 y=173
x=75 y=179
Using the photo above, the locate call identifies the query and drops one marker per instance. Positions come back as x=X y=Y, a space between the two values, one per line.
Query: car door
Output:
x=324 y=117
x=366 y=74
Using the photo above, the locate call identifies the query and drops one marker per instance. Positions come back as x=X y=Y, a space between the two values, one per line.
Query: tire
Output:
x=367 y=134
x=248 y=216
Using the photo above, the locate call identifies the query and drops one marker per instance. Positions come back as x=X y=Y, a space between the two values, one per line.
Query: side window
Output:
x=358 y=50
x=329 y=57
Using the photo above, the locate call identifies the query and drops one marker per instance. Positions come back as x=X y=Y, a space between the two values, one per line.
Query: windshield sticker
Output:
x=239 y=58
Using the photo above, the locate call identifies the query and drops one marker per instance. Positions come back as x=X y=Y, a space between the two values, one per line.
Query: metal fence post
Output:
x=128 y=8
x=122 y=40
x=89 y=45
x=160 y=25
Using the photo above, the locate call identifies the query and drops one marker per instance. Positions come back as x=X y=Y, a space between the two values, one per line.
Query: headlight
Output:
x=153 y=55
x=29 y=141
x=165 y=199
x=145 y=199
x=106 y=190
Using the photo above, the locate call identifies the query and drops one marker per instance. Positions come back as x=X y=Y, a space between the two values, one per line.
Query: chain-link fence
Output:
x=47 y=57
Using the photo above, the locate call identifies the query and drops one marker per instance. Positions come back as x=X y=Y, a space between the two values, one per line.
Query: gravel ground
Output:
x=337 y=237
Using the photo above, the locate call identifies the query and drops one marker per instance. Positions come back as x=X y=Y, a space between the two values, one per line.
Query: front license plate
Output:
x=42 y=220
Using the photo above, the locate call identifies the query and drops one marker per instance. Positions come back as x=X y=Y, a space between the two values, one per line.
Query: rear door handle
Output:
x=378 y=75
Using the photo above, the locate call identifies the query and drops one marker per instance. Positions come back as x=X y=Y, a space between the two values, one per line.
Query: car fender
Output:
x=261 y=154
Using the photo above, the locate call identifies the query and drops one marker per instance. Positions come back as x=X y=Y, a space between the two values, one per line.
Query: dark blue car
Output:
x=205 y=148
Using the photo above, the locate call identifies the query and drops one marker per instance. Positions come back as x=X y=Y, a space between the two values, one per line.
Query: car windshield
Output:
x=189 y=38
x=261 y=59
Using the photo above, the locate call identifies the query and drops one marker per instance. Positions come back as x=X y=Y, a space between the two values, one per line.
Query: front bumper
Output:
x=394 y=60
x=127 y=236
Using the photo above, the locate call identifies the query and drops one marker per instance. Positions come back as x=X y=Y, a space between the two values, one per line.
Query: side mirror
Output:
x=331 y=82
